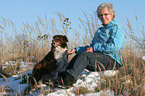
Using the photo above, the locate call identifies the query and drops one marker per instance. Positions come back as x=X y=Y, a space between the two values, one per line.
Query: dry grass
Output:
x=130 y=80
x=32 y=43
x=82 y=90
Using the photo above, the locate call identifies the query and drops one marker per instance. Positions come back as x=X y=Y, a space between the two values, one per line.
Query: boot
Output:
x=64 y=80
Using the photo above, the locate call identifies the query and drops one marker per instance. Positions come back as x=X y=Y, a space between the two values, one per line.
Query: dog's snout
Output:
x=54 y=44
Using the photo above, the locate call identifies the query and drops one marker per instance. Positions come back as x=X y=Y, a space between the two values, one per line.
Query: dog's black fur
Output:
x=54 y=62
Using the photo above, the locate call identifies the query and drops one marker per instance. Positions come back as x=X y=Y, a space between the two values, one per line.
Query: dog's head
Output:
x=59 y=40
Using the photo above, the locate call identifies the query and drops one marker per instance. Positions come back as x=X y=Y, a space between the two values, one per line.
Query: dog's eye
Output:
x=57 y=40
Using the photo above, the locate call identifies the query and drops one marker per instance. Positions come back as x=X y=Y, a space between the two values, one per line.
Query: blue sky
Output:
x=20 y=11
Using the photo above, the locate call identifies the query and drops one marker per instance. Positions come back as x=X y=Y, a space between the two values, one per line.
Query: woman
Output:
x=102 y=54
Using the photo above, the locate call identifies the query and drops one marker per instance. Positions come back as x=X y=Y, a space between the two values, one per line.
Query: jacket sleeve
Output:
x=113 y=43
x=81 y=49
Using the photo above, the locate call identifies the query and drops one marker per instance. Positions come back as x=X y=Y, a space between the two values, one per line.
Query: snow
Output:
x=11 y=86
x=143 y=57
x=87 y=79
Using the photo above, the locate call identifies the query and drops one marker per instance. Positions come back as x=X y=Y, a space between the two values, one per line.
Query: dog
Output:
x=53 y=63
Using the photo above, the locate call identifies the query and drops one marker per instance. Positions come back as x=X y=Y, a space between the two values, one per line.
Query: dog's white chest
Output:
x=59 y=52
x=62 y=60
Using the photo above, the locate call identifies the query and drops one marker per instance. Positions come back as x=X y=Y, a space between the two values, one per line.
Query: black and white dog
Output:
x=53 y=63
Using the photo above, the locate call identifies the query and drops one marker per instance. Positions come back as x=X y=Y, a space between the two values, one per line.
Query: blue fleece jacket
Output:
x=108 y=40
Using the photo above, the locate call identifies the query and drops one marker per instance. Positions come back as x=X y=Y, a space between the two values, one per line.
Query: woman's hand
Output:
x=90 y=49
x=70 y=51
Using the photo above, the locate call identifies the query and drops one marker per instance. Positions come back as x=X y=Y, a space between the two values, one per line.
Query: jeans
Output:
x=92 y=61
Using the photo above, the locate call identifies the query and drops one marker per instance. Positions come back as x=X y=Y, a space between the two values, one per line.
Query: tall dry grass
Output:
x=32 y=43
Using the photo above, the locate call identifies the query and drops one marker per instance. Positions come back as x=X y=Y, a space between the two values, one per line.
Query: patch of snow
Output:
x=87 y=79
x=110 y=73
x=143 y=57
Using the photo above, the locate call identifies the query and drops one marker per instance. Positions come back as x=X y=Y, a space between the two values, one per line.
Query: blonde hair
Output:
x=109 y=7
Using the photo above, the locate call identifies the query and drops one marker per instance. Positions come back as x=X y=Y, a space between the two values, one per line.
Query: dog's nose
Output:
x=53 y=44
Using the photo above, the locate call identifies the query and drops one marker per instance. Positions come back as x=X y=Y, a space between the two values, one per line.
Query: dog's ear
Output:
x=55 y=36
x=65 y=38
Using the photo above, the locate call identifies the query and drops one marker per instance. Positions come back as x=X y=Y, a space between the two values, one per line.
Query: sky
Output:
x=19 y=11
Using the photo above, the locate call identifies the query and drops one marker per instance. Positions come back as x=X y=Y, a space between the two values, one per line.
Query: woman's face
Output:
x=105 y=16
